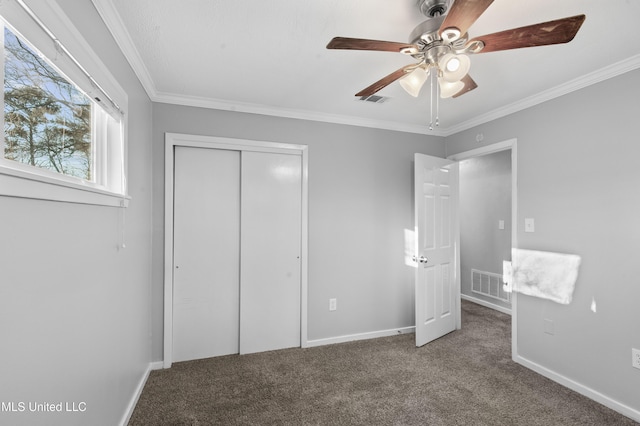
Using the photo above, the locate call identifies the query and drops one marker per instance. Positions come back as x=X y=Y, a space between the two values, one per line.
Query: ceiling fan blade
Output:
x=545 y=33
x=385 y=81
x=469 y=85
x=463 y=14
x=364 y=44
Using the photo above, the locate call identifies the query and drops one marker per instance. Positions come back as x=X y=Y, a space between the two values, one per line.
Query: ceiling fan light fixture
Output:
x=453 y=64
x=454 y=67
x=448 y=89
x=413 y=81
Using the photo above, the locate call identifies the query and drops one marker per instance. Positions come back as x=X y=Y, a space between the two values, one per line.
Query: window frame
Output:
x=108 y=136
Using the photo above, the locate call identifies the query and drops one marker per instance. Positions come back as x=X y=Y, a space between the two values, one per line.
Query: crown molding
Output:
x=114 y=23
x=219 y=104
x=586 y=80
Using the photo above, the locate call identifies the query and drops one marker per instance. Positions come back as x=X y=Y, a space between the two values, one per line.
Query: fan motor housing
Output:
x=433 y=8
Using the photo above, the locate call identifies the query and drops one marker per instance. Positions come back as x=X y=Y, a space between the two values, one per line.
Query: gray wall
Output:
x=360 y=203
x=577 y=171
x=485 y=198
x=74 y=311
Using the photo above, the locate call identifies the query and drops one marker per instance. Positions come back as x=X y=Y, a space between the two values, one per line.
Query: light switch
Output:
x=501 y=224
x=529 y=225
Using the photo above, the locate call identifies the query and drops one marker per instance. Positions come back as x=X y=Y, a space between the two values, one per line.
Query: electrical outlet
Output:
x=529 y=224
x=635 y=360
x=548 y=327
x=333 y=304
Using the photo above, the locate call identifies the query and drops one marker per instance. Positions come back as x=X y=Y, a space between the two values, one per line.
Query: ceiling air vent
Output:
x=374 y=98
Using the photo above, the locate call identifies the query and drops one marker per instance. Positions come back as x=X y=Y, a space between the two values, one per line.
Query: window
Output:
x=63 y=132
x=47 y=119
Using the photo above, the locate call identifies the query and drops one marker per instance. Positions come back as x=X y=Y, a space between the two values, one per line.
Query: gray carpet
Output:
x=464 y=378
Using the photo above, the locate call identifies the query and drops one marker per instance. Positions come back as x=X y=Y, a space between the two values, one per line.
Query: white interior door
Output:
x=270 y=251
x=206 y=276
x=436 y=225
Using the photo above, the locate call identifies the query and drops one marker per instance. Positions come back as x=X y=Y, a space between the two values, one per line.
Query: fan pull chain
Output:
x=437 y=102
x=431 y=102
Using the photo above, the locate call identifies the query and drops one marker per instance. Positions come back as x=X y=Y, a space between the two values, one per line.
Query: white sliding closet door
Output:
x=270 y=251
x=237 y=248
x=206 y=296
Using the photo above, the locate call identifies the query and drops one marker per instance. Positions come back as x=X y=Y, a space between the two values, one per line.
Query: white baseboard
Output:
x=580 y=388
x=360 y=336
x=157 y=365
x=136 y=395
x=486 y=304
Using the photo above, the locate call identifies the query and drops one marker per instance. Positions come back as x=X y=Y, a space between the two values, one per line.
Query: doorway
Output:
x=485 y=229
x=235 y=246
x=508 y=147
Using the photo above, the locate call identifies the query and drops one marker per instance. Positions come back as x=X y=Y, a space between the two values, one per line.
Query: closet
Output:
x=236 y=251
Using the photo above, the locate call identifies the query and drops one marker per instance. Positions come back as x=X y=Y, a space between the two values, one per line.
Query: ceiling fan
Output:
x=441 y=45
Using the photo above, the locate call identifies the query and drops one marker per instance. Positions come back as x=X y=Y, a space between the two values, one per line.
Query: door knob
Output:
x=422 y=259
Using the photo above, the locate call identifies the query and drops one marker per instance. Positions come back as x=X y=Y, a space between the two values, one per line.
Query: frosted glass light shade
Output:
x=454 y=67
x=413 y=81
x=448 y=89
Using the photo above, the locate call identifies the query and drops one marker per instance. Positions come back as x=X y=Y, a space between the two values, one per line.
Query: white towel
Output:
x=542 y=274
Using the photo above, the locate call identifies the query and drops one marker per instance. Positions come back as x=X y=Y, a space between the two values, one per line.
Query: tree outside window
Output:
x=47 y=120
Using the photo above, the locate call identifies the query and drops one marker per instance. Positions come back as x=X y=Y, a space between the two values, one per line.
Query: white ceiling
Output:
x=269 y=57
